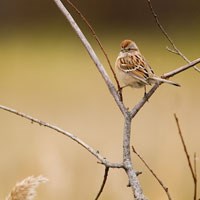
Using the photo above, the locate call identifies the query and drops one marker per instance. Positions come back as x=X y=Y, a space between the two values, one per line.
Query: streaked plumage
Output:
x=132 y=68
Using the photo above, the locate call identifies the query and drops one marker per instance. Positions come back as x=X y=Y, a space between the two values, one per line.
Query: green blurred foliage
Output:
x=46 y=72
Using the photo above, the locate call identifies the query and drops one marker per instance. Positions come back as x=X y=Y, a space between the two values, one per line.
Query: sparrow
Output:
x=132 y=68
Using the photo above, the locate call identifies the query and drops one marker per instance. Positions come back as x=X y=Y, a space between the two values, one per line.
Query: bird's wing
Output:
x=136 y=66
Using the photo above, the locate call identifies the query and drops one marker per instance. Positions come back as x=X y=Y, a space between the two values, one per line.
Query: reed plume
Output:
x=26 y=189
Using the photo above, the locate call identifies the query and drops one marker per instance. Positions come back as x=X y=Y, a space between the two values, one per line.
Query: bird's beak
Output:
x=123 y=50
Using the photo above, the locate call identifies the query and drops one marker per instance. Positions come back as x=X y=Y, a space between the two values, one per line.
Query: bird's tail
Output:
x=158 y=79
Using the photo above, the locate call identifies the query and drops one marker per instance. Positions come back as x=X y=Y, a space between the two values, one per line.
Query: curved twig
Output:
x=176 y=50
x=103 y=183
x=70 y=135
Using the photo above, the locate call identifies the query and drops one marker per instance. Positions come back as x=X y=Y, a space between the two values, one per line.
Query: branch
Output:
x=65 y=133
x=92 y=55
x=195 y=173
x=99 y=43
x=141 y=103
x=176 y=50
x=152 y=172
x=181 y=69
x=187 y=156
x=103 y=183
x=132 y=174
x=145 y=99
x=135 y=185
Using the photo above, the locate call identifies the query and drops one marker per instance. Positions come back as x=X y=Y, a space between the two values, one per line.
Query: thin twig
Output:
x=195 y=173
x=177 y=51
x=135 y=184
x=195 y=164
x=153 y=173
x=93 y=55
x=184 y=146
x=71 y=136
x=103 y=183
x=171 y=50
x=187 y=156
x=99 y=43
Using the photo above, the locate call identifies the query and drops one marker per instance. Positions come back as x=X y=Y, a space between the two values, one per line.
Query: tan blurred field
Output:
x=48 y=75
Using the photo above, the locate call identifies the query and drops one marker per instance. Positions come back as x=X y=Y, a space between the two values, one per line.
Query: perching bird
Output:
x=132 y=68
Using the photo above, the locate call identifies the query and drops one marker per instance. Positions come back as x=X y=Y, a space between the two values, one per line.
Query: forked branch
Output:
x=175 y=48
x=93 y=56
x=140 y=104
x=128 y=115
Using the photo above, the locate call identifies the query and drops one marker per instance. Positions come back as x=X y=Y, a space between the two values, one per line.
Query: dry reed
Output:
x=26 y=189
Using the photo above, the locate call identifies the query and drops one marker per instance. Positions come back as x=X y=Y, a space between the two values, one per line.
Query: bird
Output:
x=132 y=68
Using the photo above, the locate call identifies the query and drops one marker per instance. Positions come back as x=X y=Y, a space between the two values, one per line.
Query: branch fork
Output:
x=127 y=163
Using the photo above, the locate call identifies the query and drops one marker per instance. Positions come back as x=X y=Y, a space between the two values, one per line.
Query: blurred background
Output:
x=46 y=73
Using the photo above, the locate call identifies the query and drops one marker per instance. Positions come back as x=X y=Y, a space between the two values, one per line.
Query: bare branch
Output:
x=153 y=173
x=99 y=43
x=132 y=174
x=181 y=69
x=195 y=164
x=145 y=99
x=171 y=50
x=195 y=173
x=141 y=103
x=187 y=156
x=93 y=56
x=71 y=136
x=103 y=183
x=184 y=146
x=127 y=164
x=135 y=185
x=176 y=50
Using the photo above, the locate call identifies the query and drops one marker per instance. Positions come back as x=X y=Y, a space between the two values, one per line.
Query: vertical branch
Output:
x=132 y=175
x=184 y=146
x=188 y=157
x=127 y=164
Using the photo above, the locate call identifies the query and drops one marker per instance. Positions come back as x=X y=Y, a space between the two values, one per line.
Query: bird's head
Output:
x=128 y=46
